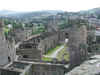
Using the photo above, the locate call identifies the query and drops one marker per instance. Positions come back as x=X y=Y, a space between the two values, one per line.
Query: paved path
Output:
x=17 y=45
x=54 y=55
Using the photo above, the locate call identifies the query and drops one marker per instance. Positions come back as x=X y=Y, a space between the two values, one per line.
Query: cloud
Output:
x=32 y=5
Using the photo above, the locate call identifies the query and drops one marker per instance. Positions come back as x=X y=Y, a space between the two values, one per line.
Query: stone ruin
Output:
x=24 y=67
x=7 y=51
x=39 y=44
x=17 y=68
x=33 y=47
x=77 y=45
x=28 y=49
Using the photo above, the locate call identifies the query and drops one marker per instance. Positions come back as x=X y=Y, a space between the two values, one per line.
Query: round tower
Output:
x=3 y=47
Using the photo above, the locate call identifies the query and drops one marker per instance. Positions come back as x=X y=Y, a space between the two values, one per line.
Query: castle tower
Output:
x=3 y=47
x=77 y=42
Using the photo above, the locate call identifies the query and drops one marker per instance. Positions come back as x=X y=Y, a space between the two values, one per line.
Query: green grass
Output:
x=46 y=59
x=49 y=53
x=52 y=50
x=63 y=54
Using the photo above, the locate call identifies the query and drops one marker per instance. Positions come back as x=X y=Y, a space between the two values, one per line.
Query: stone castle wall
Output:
x=77 y=45
x=51 y=41
x=7 y=50
x=3 y=47
x=46 y=69
x=37 y=45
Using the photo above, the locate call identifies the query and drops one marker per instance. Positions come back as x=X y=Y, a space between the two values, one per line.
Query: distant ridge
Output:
x=7 y=12
x=95 y=11
x=16 y=13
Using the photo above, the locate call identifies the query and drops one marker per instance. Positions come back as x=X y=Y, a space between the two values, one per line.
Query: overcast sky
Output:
x=33 y=5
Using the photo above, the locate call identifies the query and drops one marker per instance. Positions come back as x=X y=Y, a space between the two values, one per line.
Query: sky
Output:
x=35 y=5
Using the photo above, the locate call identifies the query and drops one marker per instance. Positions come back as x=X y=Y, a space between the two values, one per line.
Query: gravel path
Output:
x=54 y=55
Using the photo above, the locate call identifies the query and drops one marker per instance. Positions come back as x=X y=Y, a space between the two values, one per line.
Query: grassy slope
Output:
x=46 y=59
x=63 y=54
x=50 y=52
x=53 y=50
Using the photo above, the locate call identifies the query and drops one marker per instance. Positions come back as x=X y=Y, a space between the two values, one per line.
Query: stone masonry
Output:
x=3 y=47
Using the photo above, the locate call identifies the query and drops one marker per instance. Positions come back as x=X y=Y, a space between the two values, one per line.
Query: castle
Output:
x=10 y=65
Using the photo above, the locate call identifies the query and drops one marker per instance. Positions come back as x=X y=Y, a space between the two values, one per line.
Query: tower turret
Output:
x=3 y=47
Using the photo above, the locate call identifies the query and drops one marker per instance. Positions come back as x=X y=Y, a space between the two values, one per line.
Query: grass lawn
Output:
x=52 y=50
x=63 y=54
x=46 y=59
x=49 y=53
